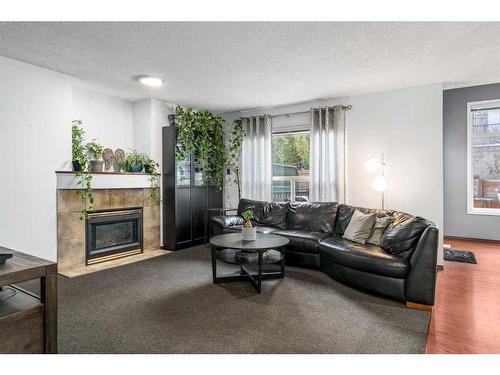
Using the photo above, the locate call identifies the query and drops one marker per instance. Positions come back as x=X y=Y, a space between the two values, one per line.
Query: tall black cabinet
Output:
x=185 y=196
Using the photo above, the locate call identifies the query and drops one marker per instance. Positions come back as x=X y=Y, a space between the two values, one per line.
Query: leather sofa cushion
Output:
x=266 y=213
x=303 y=241
x=260 y=229
x=316 y=217
x=344 y=213
x=266 y=229
x=402 y=235
x=368 y=258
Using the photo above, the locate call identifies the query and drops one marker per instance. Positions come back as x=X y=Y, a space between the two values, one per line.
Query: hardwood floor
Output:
x=466 y=315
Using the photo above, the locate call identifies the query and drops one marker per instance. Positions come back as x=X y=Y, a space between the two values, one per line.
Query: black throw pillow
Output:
x=403 y=236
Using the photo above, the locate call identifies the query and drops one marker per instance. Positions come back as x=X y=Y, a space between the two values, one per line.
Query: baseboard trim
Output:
x=418 y=306
x=470 y=239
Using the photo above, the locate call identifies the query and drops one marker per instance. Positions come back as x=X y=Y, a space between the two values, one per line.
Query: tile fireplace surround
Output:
x=71 y=230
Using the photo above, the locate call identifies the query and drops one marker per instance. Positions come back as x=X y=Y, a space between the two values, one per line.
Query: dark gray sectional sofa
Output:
x=403 y=267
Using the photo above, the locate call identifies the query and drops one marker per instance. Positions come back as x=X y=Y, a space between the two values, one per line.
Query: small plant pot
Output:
x=77 y=167
x=172 y=120
x=96 y=165
x=135 y=168
x=249 y=234
x=147 y=169
x=116 y=167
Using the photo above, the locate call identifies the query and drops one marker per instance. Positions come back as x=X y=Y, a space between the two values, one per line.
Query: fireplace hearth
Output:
x=111 y=234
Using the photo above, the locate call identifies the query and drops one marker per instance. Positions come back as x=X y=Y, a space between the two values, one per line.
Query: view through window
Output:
x=291 y=166
x=484 y=158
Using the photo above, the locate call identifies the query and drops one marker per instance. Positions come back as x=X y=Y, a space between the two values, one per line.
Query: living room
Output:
x=249 y=188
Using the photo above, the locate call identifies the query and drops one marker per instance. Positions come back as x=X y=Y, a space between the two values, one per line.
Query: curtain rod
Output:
x=288 y=114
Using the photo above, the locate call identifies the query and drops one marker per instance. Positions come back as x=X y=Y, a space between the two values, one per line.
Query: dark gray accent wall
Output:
x=456 y=220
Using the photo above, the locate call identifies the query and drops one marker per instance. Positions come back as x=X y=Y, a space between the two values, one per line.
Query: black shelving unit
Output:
x=185 y=197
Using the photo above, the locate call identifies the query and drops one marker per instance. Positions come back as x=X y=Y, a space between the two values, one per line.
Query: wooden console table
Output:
x=28 y=323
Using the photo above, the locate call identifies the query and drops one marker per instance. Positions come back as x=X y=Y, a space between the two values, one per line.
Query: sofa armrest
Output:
x=225 y=221
x=421 y=280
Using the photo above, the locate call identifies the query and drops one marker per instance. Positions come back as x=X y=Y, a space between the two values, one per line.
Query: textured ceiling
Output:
x=233 y=66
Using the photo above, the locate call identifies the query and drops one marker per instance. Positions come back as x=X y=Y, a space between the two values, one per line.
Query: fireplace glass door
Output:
x=112 y=234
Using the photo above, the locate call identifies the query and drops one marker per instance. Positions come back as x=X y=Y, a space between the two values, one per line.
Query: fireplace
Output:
x=113 y=234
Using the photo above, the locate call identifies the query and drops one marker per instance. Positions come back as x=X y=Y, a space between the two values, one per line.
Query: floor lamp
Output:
x=379 y=183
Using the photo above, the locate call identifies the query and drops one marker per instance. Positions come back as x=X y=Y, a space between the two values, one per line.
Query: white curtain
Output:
x=327 y=154
x=256 y=159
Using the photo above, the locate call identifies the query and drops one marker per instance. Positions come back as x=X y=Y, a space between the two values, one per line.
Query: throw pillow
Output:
x=360 y=227
x=381 y=223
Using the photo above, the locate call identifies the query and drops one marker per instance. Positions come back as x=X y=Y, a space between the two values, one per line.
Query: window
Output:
x=483 y=157
x=290 y=153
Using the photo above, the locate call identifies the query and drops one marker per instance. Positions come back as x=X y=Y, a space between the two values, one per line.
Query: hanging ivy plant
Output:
x=201 y=134
x=186 y=134
x=151 y=167
x=235 y=143
x=83 y=176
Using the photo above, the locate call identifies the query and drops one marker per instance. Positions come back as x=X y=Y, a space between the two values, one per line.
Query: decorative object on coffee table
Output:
x=118 y=157
x=107 y=156
x=248 y=232
x=268 y=247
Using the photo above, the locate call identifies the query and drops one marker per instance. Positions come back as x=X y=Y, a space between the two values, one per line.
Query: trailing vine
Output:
x=201 y=134
x=235 y=143
x=151 y=167
x=85 y=193
x=83 y=176
x=186 y=133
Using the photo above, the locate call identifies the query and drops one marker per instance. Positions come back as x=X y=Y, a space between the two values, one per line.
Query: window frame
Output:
x=471 y=107
x=292 y=179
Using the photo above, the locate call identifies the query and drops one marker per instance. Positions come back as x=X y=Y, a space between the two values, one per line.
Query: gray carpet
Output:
x=169 y=305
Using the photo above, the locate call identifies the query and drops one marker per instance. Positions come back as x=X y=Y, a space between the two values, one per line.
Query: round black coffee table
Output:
x=266 y=249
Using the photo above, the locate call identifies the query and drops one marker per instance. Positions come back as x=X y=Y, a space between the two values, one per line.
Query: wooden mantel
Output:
x=105 y=180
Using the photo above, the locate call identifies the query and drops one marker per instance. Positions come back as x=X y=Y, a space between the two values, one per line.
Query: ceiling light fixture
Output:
x=150 y=81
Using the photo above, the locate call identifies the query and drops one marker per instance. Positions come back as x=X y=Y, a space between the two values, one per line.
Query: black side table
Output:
x=269 y=249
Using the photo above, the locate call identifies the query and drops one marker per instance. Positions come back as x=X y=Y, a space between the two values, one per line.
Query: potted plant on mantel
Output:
x=94 y=150
x=133 y=162
x=78 y=150
x=150 y=166
x=248 y=232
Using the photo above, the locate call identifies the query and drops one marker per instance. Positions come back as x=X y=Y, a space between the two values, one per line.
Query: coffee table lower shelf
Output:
x=246 y=259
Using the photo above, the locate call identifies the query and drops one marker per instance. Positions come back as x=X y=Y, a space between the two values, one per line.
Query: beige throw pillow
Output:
x=378 y=230
x=360 y=227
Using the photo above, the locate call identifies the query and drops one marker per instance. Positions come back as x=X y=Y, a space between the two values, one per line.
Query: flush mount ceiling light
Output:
x=150 y=81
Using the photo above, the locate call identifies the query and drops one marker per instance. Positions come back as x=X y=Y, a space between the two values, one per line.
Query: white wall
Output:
x=150 y=115
x=107 y=118
x=35 y=141
x=142 y=125
x=406 y=125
